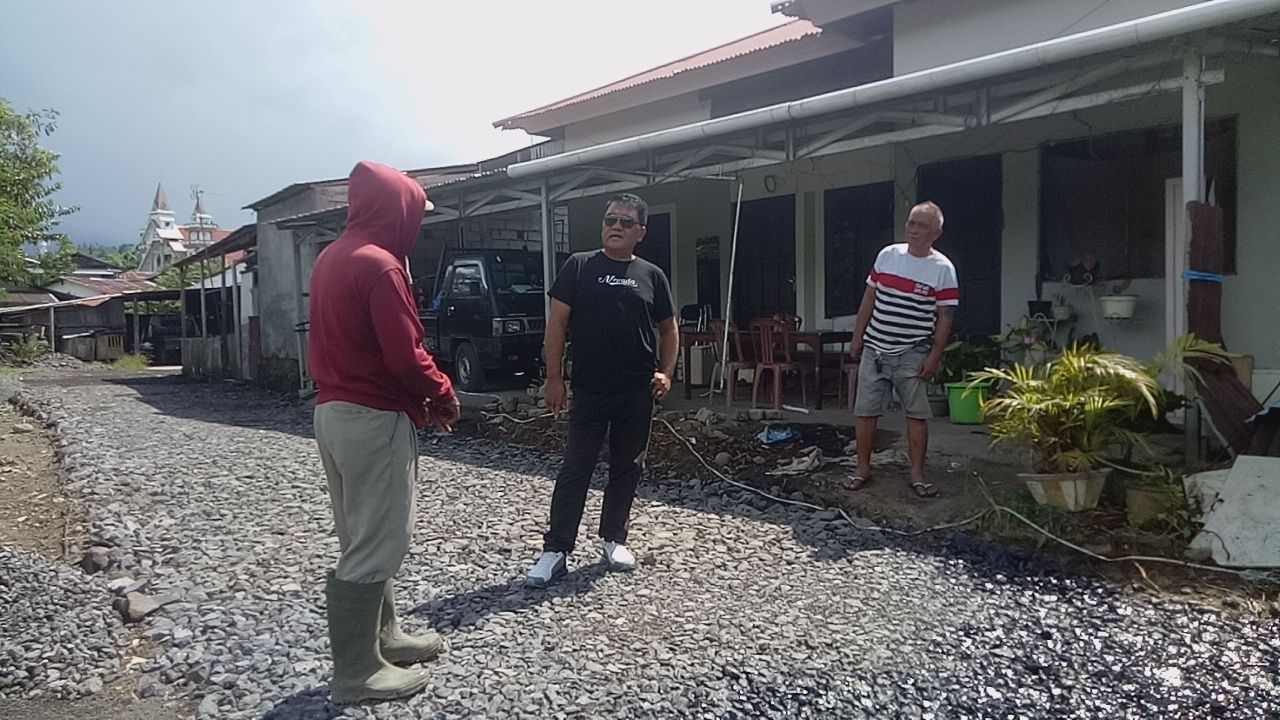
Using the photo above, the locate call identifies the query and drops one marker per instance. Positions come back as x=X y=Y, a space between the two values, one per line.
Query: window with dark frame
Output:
x=858 y=223
x=1105 y=196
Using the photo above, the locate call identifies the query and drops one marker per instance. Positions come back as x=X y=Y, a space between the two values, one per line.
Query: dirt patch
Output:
x=116 y=701
x=35 y=514
x=888 y=499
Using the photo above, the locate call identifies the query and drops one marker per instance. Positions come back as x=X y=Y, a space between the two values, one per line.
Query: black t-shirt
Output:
x=615 y=307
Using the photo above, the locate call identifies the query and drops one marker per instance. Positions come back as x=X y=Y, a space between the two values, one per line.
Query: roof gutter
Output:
x=1154 y=28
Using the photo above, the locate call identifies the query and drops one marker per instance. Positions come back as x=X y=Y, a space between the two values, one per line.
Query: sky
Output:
x=242 y=97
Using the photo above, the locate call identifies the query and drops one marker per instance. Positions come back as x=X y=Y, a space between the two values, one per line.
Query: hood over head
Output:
x=384 y=207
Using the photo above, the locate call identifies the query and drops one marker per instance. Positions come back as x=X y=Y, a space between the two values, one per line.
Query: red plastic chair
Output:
x=774 y=342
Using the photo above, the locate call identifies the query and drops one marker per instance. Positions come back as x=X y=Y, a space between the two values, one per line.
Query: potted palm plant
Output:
x=1073 y=413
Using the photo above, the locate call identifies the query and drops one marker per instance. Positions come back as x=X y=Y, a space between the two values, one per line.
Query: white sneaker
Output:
x=551 y=566
x=618 y=557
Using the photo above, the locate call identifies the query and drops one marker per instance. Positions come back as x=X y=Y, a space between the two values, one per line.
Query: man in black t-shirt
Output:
x=610 y=302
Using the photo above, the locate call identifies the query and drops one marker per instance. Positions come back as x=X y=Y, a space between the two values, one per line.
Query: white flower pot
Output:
x=1118 y=307
x=1070 y=491
x=1061 y=312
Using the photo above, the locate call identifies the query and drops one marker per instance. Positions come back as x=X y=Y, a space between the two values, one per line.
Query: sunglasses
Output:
x=626 y=222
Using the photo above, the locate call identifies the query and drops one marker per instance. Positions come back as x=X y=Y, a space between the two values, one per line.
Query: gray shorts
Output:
x=899 y=372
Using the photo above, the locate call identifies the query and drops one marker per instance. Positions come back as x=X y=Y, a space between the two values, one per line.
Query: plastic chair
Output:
x=774 y=343
x=738 y=360
x=848 y=380
x=793 y=322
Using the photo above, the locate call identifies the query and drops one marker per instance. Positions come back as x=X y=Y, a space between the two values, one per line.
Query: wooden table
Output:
x=815 y=341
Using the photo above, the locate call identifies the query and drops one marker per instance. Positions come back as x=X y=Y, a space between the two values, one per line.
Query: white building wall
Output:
x=699 y=208
x=929 y=33
x=1251 y=92
x=276 y=297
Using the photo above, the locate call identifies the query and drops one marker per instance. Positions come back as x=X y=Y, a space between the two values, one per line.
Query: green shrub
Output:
x=29 y=349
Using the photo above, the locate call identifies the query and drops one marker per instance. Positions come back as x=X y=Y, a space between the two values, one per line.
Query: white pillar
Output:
x=1192 y=186
x=1192 y=191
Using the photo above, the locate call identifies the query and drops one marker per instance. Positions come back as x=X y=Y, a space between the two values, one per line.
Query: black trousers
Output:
x=627 y=418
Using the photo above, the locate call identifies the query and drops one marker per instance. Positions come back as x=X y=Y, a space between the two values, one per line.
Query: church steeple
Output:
x=161 y=215
x=199 y=216
x=161 y=203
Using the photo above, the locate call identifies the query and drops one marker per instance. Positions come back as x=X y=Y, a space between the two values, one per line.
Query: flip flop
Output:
x=853 y=483
x=924 y=490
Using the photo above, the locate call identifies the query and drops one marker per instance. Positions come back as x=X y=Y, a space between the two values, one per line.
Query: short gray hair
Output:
x=932 y=207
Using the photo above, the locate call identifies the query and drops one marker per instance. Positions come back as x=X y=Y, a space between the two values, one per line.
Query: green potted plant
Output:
x=1028 y=342
x=1072 y=413
x=1151 y=492
x=959 y=360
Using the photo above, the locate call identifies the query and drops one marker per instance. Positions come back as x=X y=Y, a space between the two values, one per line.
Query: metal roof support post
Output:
x=728 y=298
x=235 y=320
x=548 y=248
x=53 y=334
x=182 y=311
x=223 y=330
x=137 y=331
x=204 y=303
x=299 y=311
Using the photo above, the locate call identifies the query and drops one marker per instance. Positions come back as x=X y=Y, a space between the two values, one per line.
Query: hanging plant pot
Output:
x=1072 y=492
x=1118 y=307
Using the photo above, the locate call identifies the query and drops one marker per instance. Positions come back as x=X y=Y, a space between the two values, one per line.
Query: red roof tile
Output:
x=785 y=33
x=218 y=234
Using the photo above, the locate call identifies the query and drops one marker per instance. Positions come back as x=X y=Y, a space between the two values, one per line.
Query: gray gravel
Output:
x=213 y=494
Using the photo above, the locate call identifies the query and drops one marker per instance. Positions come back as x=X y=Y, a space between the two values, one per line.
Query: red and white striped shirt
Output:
x=909 y=290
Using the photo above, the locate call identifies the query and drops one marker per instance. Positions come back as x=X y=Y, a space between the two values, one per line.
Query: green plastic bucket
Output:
x=965 y=405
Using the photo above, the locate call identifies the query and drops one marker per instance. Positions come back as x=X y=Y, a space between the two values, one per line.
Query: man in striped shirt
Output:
x=903 y=325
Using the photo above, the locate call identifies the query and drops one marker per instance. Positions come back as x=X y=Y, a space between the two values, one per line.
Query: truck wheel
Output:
x=468 y=368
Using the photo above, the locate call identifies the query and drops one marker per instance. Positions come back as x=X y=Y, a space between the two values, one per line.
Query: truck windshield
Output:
x=517 y=283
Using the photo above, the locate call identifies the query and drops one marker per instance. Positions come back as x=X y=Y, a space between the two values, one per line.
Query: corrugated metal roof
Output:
x=124 y=282
x=773 y=37
x=81 y=302
x=18 y=298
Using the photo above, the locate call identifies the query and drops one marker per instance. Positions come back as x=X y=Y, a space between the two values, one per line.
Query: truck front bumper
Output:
x=514 y=352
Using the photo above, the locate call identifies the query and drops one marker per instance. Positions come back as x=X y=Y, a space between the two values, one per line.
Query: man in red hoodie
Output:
x=377 y=386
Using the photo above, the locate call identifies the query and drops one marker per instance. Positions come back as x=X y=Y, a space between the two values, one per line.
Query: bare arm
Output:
x=941 y=336
x=864 y=319
x=553 y=350
x=668 y=351
x=668 y=346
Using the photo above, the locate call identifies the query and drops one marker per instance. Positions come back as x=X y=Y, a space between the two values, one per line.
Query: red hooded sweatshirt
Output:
x=365 y=341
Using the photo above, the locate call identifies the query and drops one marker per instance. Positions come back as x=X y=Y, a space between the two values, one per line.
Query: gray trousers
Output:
x=371 y=461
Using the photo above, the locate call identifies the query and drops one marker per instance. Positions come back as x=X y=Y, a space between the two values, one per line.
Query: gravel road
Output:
x=212 y=495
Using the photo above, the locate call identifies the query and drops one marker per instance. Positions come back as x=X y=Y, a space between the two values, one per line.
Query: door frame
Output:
x=670 y=209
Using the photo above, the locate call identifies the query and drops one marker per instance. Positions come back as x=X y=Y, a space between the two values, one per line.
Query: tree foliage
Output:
x=29 y=214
